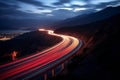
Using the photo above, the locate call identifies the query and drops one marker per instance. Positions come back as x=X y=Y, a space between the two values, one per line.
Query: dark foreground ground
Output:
x=26 y=44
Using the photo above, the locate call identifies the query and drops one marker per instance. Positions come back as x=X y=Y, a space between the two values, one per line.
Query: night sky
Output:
x=22 y=12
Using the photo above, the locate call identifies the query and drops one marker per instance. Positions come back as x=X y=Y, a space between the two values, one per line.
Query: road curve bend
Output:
x=38 y=63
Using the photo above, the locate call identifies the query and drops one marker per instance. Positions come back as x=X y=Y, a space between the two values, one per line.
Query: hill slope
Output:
x=27 y=44
x=99 y=59
x=85 y=19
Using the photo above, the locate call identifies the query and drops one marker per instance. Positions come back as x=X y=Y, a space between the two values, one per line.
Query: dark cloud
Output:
x=87 y=1
x=78 y=6
x=12 y=12
x=64 y=1
x=8 y=10
x=4 y=5
x=63 y=14
x=33 y=2
x=60 y=2
x=36 y=3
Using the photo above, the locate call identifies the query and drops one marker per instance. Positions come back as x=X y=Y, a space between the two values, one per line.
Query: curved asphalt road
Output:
x=30 y=66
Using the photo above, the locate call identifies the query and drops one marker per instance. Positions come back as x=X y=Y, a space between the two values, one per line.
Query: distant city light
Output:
x=4 y=39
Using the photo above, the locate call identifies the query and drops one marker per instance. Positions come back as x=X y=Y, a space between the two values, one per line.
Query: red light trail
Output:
x=26 y=67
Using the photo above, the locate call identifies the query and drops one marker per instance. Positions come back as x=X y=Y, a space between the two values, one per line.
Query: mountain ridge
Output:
x=89 y=18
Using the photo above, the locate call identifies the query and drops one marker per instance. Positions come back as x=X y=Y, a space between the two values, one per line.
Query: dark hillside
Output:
x=100 y=58
x=89 y=18
x=27 y=44
x=99 y=28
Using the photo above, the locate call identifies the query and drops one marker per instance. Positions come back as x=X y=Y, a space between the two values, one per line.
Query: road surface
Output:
x=30 y=66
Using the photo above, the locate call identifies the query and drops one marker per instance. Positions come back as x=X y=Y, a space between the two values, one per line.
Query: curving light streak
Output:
x=25 y=67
